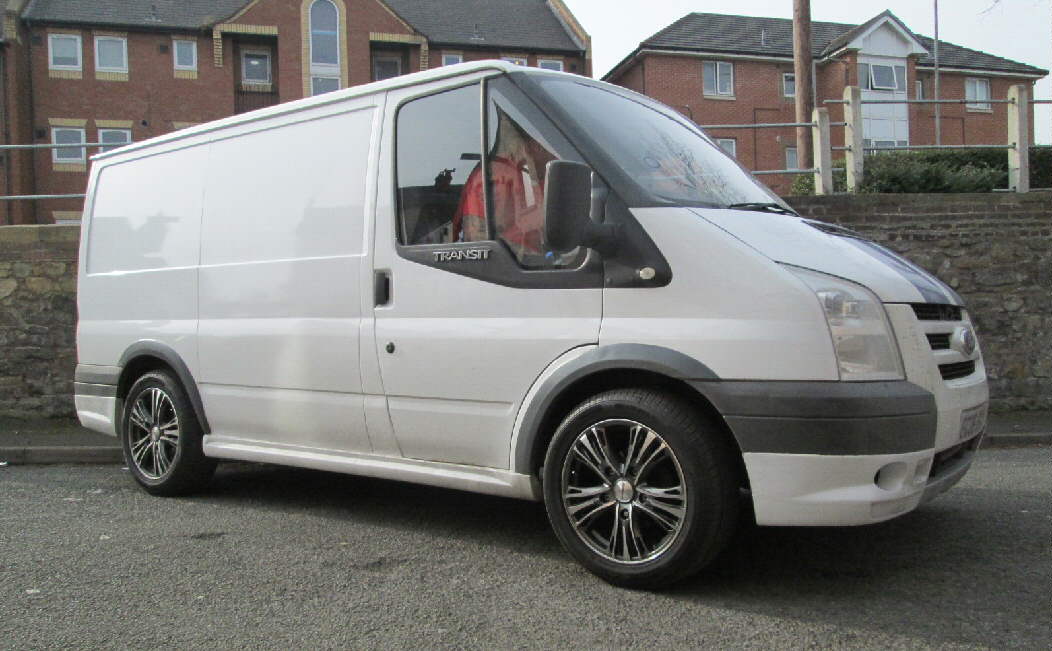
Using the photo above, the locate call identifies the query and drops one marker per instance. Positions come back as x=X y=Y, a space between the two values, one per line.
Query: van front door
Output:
x=471 y=305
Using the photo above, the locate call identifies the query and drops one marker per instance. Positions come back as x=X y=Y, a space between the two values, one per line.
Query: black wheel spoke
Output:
x=638 y=506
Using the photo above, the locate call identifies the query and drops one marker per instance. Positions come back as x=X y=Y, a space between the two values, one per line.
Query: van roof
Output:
x=402 y=81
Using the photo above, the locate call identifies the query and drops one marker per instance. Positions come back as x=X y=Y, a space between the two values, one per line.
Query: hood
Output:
x=833 y=250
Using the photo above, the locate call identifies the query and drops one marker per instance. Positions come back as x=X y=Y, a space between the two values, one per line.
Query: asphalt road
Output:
x=275 y=557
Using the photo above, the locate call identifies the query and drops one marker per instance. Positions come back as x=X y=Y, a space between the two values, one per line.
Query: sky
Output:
x=1020 y=30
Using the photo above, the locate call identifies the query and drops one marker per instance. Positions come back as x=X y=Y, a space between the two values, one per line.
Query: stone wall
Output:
x=995 y=250
x=38 y=289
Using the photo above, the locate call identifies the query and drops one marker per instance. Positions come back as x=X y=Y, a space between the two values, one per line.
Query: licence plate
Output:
x=973 y=421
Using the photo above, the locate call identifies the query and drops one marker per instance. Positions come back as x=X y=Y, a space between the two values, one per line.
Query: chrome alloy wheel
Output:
x=623 y=491
x=153 y=435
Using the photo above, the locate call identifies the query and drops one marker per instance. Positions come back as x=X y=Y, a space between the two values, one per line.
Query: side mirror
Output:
x=568 y=206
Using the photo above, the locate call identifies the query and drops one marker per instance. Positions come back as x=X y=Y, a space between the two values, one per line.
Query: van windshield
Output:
x=644 y=144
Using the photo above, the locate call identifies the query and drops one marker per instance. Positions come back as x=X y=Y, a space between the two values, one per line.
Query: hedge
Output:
x=948 y=170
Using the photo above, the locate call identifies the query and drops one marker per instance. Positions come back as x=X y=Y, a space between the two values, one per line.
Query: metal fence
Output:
x=1016 y=143
x=35 y=197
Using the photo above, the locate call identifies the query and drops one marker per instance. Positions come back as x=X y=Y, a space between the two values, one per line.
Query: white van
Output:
x=522 y=283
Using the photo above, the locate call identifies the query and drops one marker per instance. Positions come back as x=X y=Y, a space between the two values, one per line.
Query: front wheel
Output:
x=640 y=487
x=161 y=437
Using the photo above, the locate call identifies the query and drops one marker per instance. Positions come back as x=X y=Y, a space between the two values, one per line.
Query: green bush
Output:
x=935 y=171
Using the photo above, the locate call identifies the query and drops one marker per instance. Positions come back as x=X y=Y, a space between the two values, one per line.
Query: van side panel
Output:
x=281 y=249
x=138 y=277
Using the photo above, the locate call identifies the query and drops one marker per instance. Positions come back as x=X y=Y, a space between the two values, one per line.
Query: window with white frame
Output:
x=111 y=54
x=114 y=138
x=788 y=84
x=67 y=136
x=550 y=64
x=882 y=77
x=719 y=78
x=792 y=161
x=320 y=85
x=324 y=47
x=519 y=61
x=184 y=54
x=386 y=66
x=64 y=52
x=920 y=89
x=255 y=66
x=452 y=58
x=729 y=145
x=977 y=92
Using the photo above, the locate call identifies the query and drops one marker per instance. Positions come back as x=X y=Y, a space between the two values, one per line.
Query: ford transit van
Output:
x=523 y=283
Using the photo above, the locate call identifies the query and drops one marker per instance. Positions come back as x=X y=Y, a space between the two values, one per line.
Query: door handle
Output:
x=381 y=288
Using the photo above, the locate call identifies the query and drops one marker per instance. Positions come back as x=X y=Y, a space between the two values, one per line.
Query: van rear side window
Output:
x=153 y=202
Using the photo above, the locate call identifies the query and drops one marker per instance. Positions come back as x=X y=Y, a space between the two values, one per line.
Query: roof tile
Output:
x=762 y=36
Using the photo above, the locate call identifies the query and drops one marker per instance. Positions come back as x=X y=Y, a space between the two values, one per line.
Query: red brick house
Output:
x=722 y=69
x=114 y=71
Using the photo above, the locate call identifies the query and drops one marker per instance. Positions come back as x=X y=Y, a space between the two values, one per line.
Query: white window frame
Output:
x=796 y=155
x=335 y=78
x=51 y=52
x=175 y=53
x=785 y=86
x=324 y=70
x=126 y=132
x=978 y=104
x=918 y=91
x=124 y=47
x=519 y=61
x=873 y=77
x=717 y=67
x=452 y=58
x=270 y=68
x=83 y=158
x=557 y=64
x=734 y=146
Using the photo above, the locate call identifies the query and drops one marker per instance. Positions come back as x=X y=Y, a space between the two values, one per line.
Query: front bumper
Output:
x=840 y=453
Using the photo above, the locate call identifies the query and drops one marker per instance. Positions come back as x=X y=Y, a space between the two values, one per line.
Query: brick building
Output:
x=114 y=71
x=722 y=69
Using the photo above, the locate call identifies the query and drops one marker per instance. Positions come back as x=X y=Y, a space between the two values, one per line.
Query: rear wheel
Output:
x=161 y=437
x=640 y=487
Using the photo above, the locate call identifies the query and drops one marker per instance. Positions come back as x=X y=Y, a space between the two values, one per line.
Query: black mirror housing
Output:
x=568 y=207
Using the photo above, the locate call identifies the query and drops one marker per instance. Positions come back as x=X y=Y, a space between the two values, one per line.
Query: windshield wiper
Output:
x=764 y=207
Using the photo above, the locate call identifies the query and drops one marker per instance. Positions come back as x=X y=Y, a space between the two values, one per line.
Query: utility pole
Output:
x=938 y=107
x=802 y=75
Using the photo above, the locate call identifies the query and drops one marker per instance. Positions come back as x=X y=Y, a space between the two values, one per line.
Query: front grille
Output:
x=957 y=369
x=939 y=341
x=936 y=312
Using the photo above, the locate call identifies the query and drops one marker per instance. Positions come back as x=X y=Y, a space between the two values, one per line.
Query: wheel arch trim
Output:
x=168 y=355
x=616 y=357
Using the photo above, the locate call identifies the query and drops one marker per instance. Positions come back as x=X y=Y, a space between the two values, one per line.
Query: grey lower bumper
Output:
x=826 y=418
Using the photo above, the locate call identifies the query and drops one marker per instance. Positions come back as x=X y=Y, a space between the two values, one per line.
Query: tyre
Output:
x=641 y=487
x=161 y=437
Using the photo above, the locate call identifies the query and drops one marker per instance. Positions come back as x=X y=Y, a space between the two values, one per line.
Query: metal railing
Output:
x=79 y=145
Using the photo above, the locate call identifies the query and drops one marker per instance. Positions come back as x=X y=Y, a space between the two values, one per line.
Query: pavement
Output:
x=282 y=558
x=48 y=441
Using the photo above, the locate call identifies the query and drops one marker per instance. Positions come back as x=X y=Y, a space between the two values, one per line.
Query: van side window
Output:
x=439 y=146
x=519 y=145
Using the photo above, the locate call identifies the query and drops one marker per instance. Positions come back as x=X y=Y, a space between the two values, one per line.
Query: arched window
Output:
x=324 y=47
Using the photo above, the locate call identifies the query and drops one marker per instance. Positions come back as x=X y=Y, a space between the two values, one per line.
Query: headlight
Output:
x=862 y=339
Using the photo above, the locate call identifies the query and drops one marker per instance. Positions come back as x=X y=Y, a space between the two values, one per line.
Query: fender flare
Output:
x=164 y=352
x=641 y=357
